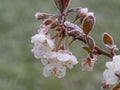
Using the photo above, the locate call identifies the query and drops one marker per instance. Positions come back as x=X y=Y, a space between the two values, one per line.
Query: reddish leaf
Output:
x=107 y=39
x=86 y=49
x=48 y=22
x=91 y=43
x=88 y=23
x=62 y=4
x=117 y=87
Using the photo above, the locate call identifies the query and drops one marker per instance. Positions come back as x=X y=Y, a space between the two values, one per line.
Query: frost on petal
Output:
x=39 y=15
x=69 y=24
x=60 y=71
x=71 y=62
x=50 y=43
x=41 y=51
x=74 y=60
x=116 y=59
x=72 y=27
x=84 y=11
x=45 y=61
x=42 y=45
x=90 y=14
x=55 y=63
x=42 y=39
x=110 y=65
x=109 y=77
x=54 y=70
x=38 y=38
x=63 y=57
x=48 y=70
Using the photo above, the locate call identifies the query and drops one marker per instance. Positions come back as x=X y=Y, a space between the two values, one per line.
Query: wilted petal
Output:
x=87 y=64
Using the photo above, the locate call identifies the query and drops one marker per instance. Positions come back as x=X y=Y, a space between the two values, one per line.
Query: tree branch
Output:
x=98 y=49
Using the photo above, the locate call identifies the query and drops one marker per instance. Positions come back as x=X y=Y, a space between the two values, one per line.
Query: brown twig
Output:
x=98 y=49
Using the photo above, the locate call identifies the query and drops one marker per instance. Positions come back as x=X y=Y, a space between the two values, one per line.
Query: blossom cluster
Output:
x=55 y=62
x=52 y=43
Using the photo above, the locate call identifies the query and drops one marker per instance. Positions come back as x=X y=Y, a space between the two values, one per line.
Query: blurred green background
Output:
x=19 y=70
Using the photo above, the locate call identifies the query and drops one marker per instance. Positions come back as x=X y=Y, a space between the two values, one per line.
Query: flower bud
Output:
x=82 y=12
x=39 y=15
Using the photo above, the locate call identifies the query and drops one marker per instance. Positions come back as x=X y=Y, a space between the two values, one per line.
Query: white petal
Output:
x=110 y=65
x=38 y=38
x=47 y=71
x=116 y=58
x=50 y=43
x=63 y=57
x=109 y=77
x=74 y=60
x=90 y=14
x=60 y=71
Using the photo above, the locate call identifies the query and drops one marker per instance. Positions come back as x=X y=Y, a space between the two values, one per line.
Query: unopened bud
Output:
x=39 y=15
x=82 y=13
x=90 y=14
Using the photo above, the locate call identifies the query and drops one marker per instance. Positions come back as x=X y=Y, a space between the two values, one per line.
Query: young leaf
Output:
x=62 y=5
x=88 y=23
x=75 y=9
x=91 y=43
x=117 y=87
x=86 y=49
x=107 y=39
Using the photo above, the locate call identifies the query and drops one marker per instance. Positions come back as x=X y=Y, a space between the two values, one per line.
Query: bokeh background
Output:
x=19 y=70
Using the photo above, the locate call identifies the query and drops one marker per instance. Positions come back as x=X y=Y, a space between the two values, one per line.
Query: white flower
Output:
x=42 y=45
x=54 y=69
x=109 y=77
x=113 y=67
x=57 y=62
x=65 y=57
